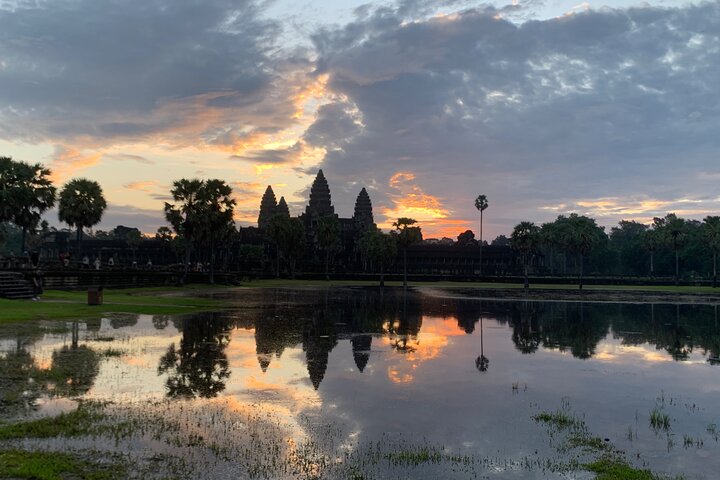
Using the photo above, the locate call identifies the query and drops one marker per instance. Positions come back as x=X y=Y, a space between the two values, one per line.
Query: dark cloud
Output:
x=606 y=103
x=96 y=70
x=271 y=156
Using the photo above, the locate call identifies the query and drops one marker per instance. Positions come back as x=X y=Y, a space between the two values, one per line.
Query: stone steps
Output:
x=14 y=286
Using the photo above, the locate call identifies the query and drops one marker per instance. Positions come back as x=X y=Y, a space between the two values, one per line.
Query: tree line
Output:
x=27 y=192
x=671 y=245
x=202 y=229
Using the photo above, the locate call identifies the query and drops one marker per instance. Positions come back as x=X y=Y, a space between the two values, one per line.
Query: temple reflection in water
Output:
x=318 y=320
x=413 y=326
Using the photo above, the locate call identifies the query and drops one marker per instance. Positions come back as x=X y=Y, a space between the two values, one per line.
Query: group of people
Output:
x=97 y=264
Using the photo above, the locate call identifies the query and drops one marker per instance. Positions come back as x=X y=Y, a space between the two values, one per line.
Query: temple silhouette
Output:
x=319 y=206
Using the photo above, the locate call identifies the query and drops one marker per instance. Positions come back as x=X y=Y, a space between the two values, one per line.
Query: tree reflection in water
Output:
x=74 y=368
x=199 y=366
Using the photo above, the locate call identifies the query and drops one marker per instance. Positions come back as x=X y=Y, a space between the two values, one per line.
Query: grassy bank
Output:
x=287 y=283
x=62 y=305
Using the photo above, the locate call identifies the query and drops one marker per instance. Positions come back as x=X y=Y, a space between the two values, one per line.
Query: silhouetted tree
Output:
x=672 y=230
x=216 y=209
x=711 y=237
x=26 y=192
x=380 y=249
x=627 y=242
x=466 y=238
x=406 y=235
x=481 y=203
x=327 y=237
x=651 y=241
x=184 y=214
x=501 y=241
x=288 y=234
x=81 y=205
x=583 y=236
x=525 y=238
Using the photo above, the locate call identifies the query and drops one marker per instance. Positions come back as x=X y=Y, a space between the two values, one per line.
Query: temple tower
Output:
x=268 y=206
x=320 y=204
x=363 y=216
x=282 y=208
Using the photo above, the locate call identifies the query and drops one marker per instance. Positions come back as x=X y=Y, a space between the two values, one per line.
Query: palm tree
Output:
x=651 y=240
x=673 y=228
x=406 y=234
x=481 y=204
x=525 y=238
x=711 y=235
x=216 y=211
x=584 y=236
x=327 y=236
x=183 y=214
x=81 y=205
x=380 y=249
x=26 y=192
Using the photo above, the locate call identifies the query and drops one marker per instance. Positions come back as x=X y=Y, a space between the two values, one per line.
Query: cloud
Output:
x=123 y=157
x=141 y=186
x=611 y=103
x=176 y=74
x=65 y=161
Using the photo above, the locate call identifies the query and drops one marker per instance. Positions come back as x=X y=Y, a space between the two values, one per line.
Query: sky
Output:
x=608 y=109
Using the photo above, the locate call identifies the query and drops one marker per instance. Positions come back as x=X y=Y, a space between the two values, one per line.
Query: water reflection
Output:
x=73 y=368
x=199 y=366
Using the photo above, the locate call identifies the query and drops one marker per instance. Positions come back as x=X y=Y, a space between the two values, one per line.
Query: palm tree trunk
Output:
x=211 y=271
x=652 y=263
x=187 y=263
x=526 y=284
x=677 y=268
x=327 y=263
x=277 y=262
x=405 y=267
x=714 y=268
x=22 y=242
x=382 y=277
x=481 y=240
x=582 y=268
x=79 y=239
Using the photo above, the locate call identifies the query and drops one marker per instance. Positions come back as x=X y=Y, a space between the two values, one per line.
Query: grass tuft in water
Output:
x=610 y=468
x=659 y=420
x=73 y=424
x=559 y=419
x=53 y=466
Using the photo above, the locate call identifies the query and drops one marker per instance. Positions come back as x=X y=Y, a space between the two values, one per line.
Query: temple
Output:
x=319 y=206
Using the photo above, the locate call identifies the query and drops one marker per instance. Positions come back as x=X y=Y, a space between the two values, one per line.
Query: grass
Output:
x=659 y=420
x=608 y=468
x=287 y=283
x=63 y=305
x=559 y=419
x=52 y=466
x=73 y=424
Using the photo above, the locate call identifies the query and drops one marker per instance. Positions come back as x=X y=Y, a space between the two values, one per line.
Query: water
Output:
x=327 y=383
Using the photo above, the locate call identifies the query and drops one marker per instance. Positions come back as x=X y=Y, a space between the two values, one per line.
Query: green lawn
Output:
x=286 y=283
x=63 y=305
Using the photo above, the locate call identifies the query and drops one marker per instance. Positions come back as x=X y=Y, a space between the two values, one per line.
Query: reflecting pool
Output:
x=366 y=383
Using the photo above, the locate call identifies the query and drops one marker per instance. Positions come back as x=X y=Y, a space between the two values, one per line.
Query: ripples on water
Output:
x=307 y=382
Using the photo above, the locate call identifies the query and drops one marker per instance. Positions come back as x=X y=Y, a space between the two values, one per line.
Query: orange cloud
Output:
x=639 y=209
x=145 y=186
x=430 y=212
x=66 y=161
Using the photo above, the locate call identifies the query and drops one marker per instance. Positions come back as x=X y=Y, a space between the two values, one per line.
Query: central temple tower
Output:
x=320 y=203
